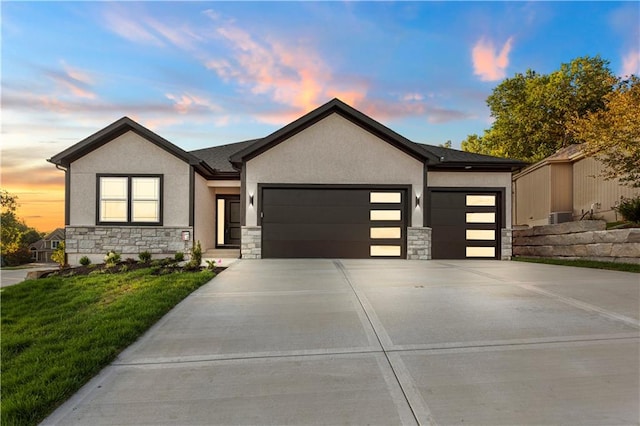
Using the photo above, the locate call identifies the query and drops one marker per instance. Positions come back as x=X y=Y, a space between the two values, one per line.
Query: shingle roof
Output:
x=449 y=156
x=217 y=157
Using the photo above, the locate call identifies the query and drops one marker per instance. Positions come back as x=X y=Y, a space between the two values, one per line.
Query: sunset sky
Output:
x=208 y=73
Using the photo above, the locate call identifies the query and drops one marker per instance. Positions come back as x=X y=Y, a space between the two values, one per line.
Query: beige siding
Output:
x=589 y=188
x=128 y=154
x=533 y=199
x=561 y=191
x=334 y=151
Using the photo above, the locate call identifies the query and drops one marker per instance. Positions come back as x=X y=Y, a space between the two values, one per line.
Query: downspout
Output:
x=67 y=190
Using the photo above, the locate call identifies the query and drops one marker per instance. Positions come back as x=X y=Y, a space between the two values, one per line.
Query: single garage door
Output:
x=321 y=222
x=465 y=224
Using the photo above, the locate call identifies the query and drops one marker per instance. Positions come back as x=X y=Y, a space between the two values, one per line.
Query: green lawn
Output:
x=57 y=333
x=625 y=267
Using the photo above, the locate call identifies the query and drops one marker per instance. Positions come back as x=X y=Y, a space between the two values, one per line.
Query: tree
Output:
x=532 y=110
x=15 y=235
x=612 y=134
x=447 y=144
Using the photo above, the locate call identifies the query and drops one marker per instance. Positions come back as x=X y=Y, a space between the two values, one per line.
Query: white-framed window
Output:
x=55 y=244
x=129 y=199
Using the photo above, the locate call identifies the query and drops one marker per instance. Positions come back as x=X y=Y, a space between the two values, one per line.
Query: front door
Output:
x=228 y=221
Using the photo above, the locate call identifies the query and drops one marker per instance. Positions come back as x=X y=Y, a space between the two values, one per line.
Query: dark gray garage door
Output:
x=464 y=224
x=329 y=222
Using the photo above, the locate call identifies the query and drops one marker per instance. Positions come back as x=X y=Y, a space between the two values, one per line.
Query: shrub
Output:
x=196 y=256
x=629 y=208
x=179 y=256
x=112 y=259
x=59 y=256
x=85 y=261
x=144 y=256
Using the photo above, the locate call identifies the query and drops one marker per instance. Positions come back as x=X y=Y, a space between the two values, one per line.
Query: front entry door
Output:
x=228 y=221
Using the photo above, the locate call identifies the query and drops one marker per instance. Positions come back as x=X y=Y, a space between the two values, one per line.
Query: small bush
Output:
x=144 y=256
x=629 y=208
x=179 y=256
x=112 y=259
x=196 y=256
x=59 y=256
x=85 y=261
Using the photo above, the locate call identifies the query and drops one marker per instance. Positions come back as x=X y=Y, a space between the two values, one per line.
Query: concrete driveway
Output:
x=382 y=342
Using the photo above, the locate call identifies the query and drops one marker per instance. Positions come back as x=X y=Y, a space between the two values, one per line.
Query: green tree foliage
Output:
x=59 y=255
x=15 y=235
x=531 y=111
x=612 y=134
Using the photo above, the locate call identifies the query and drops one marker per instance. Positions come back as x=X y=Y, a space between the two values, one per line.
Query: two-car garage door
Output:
x=333 y=222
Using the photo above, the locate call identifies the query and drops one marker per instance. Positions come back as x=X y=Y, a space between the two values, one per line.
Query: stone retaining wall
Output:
x=95 y=241
x=579 y=240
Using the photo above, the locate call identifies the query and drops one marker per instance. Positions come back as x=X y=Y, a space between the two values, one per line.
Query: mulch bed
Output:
x=159 y=267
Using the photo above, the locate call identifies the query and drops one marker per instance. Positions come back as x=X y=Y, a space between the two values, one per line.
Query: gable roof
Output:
x=217 y=157
x=344 y=110
x=56 y=234
x=118 y=128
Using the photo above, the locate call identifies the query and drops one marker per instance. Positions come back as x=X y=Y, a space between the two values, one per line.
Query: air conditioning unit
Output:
x=560 y=217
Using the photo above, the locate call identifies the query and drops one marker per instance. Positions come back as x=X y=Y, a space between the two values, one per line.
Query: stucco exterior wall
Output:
x=128 y=154
x=204 y=213
x=334 y=151
x=475 y=180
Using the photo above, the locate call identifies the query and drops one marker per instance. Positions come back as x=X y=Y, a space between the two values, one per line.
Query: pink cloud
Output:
x=289 y=73
x=631 y=63
x=188 y=103
x=488 y=63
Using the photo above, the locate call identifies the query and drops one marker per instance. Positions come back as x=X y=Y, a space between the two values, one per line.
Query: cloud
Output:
x=128 y=26
x=413 y=104
x=189 y=103
x=488 y=63
x=631 y=63
x=289 y=73
x=72 y=81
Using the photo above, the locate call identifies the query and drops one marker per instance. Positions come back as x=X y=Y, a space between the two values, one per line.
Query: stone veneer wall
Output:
x=579 y=240
x=418 y=243
x=251 y=242
x=95 y=241
x=506 y=242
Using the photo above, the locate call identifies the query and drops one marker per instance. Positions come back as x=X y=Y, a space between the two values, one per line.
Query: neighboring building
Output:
x=334 y=183
x=42 y=249
x=566 y=186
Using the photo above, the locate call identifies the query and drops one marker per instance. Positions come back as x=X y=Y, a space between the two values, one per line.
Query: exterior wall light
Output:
x=417 y=201
x=186 y=235
x=251 y=200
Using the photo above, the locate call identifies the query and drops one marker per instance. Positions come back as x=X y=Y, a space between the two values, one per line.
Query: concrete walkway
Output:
x=382 y=342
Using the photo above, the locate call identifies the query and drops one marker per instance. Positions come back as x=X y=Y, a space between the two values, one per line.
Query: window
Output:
x=55 y=244
x=385 y=197
x=129 y=200
x=385 y=215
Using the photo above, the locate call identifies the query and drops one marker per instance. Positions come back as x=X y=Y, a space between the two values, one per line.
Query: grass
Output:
x=625 y=267
x=57 y=333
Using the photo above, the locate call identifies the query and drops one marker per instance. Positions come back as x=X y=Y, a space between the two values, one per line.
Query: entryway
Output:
x=228 y=221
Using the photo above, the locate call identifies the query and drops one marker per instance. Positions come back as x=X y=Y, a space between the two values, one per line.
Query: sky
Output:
x=202 y=74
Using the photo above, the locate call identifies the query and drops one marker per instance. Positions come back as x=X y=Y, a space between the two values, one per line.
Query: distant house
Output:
x=566 y=186
x=42 y=249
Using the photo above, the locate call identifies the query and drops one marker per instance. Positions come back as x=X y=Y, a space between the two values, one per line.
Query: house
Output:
x=566 y=186
x=335 y=184
x=42 y=249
